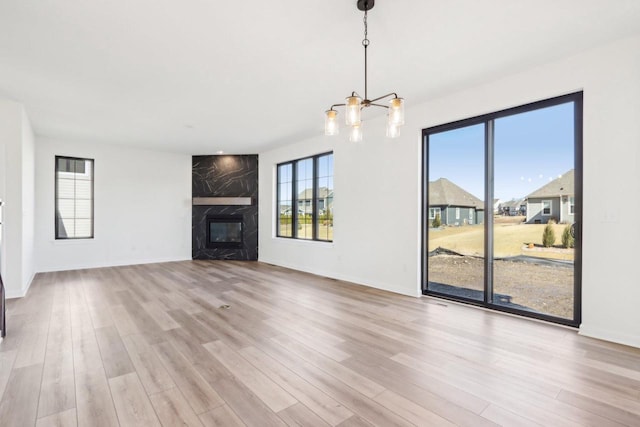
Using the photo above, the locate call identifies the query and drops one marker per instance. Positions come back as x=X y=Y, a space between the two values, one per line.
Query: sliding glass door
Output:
x=502 y=210
x=456 y=211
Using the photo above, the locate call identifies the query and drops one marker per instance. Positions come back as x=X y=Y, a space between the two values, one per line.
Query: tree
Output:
x=436 y=221
x=567 y=239
x=548 y=236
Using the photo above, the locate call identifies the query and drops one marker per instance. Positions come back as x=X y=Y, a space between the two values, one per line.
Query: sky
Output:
x=531 y=149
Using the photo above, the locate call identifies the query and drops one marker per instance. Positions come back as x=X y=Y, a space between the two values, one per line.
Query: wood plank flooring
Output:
x=154 y=345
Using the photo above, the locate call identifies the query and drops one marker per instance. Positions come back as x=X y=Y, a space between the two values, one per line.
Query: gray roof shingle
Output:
x=562 y=186
x=444 y=192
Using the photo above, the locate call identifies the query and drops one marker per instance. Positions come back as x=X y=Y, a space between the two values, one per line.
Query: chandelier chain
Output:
x=365 y=41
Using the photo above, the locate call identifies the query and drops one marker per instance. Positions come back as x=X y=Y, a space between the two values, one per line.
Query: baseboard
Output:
x=345 y=278
x=11 y=294
x=608 y=335
x=115 y=264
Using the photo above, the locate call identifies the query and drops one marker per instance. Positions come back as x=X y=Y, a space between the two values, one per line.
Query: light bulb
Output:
x=352 y=110
x=396 y=112
x=355 y=135
x=331 y=123
x=393 y=131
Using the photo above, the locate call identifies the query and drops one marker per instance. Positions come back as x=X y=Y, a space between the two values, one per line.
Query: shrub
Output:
x=567 y=239
x=436 y=221
x=548 y=236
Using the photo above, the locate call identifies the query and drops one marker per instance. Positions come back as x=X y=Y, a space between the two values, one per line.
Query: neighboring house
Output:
x=514 y=207
x=305 y=201
x=556 y=200
x=496 y=206
x=454 y=205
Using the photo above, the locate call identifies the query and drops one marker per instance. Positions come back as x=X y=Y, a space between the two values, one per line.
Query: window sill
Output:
x=64 y=242
x=302 y=241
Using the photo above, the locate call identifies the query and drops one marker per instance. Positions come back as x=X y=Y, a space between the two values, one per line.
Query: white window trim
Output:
x=436 y=211
x=550 y=208
x=457 y=213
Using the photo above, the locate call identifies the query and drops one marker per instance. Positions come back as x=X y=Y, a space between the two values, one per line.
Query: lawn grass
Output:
x=305 y=231
x=509 y=239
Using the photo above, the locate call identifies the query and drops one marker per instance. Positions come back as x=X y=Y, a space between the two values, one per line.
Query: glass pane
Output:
x=66 y=188
x=83 y=228
x=66 y=208
x=285 y=208
x=304 y=191
x=83 y=209
x=66 y=227
x=83 y=189
x=534 y=186
x=324 y=203
x=456 y=211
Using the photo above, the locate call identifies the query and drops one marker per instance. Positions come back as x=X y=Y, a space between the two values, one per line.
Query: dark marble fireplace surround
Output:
x=231 y=177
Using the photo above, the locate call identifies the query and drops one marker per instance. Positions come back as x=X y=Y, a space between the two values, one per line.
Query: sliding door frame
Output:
x=489 y=121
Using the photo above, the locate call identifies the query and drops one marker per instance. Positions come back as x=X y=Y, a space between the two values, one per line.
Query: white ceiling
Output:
x=197 y=76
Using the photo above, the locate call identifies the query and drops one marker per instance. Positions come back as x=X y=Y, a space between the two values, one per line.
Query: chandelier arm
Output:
x=385 y=96
x=379 y=105
x=337 y=105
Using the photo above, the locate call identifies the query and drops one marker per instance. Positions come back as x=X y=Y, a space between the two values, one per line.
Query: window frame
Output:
x=488 y=119
x=295 y=200
x=550 y=207
x=56 y=198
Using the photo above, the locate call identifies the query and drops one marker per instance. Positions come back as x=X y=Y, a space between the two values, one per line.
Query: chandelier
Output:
x=354 y=104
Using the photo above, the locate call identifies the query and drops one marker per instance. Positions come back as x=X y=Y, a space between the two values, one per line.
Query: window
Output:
x=470 y=215
x=433 y=212
x=505 y=155
x=572 y=205
x=305 y=198
x=74 y=198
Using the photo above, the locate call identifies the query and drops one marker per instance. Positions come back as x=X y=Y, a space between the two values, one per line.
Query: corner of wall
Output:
x=608 y=335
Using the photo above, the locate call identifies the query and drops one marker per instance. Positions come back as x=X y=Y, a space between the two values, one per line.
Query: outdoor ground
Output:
x=545 y=287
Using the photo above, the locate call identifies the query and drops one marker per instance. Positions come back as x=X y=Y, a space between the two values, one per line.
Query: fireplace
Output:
x=225 y=231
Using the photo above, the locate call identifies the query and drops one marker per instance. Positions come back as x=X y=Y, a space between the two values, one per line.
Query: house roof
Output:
x=562 y=186
x=323 y=192
x=444 y=192
x=513 y=203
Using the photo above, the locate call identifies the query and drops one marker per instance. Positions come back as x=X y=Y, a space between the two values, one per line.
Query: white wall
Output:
x=142 y=207
x=375 y=219
x=17 y=192
x=377 y=228
x=28 y=200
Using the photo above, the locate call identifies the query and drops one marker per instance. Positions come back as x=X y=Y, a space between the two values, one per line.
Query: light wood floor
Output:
x=151 y=345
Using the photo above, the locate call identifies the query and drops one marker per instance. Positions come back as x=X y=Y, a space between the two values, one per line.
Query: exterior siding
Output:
x=448 y=215
x=567 y=218
x=534 y=210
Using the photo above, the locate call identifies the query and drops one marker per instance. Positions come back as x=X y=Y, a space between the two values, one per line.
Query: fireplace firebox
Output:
x=225 y=231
